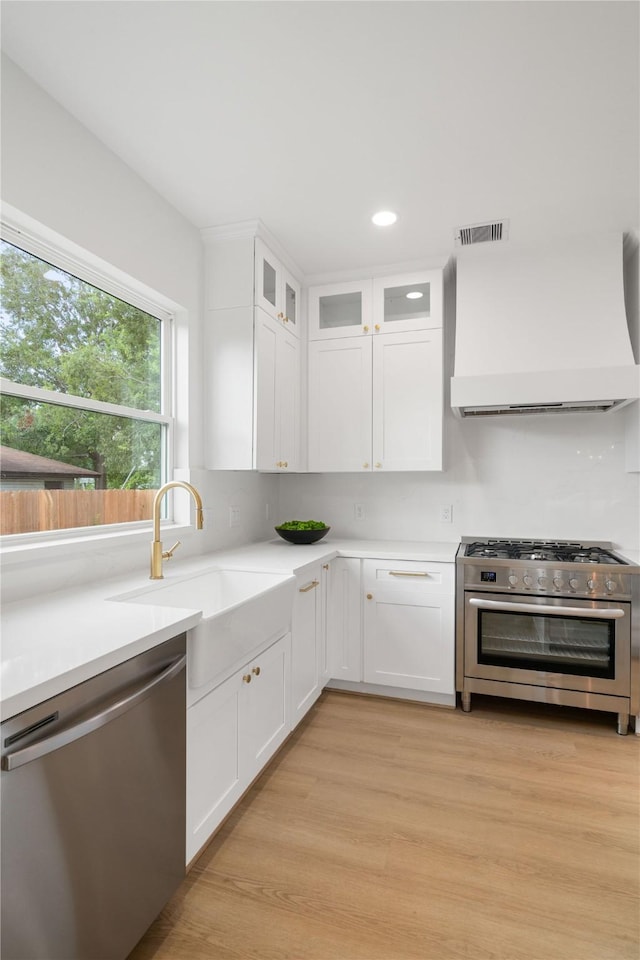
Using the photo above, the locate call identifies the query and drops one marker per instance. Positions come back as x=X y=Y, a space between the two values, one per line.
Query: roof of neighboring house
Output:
x=15 y=463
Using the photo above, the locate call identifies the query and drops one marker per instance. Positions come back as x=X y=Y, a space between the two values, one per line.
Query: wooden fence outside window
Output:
x=28 y=511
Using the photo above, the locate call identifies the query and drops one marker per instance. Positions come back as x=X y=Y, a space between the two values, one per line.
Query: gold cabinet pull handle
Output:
x=246 y=678
x=325 y=566
x=309 y=586
x=256 y=671
x=369 y=596
x=407 y=573
x=284 y=463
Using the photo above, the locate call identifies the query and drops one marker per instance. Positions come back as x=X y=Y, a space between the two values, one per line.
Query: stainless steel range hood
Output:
x=542 y=330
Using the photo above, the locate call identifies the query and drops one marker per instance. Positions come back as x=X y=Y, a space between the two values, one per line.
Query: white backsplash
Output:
x=549 y=477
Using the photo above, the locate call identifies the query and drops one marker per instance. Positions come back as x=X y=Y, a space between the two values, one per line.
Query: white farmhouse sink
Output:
x=241 y=609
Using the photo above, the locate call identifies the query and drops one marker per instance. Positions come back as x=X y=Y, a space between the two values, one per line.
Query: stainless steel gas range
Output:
x=552 y=621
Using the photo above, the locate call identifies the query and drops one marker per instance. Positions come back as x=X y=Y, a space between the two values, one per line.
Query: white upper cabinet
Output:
x=376 y=399
x=252 y=356
x=407 y=401
x=340 y=405
x=357 y=308
x=277 y=292
x=340 y=310
x=276 y=396
x=407 y=302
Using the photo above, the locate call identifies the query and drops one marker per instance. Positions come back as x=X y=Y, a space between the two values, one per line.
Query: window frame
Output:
x=90 y=269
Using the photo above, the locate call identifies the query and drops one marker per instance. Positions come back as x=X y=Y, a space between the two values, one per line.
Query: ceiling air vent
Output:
x=482 y=233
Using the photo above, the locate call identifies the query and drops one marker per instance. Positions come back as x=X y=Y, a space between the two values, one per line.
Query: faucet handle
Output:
x=169 y=553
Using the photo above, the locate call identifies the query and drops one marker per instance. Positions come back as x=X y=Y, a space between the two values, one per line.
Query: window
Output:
x=84 y=412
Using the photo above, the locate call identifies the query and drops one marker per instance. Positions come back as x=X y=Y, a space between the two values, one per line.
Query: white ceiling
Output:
x=312 y=115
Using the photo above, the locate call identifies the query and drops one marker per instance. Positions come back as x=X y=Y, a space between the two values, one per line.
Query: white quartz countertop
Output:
x=55 y=641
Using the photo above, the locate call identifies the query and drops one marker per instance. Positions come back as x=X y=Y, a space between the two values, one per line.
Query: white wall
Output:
x=57 y=173
x=559 y=476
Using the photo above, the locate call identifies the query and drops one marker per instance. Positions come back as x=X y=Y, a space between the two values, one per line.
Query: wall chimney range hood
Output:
x=542 y=330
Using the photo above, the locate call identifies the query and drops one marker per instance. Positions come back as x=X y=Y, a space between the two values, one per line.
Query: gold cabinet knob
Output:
x=246 y=678
x=256 y=671
x=365 y=329
x=377 y=327
x=378 y=466
x=369 y=596
x=284 y=463
x=281 y=316
x=325 y=566
x=286 y=319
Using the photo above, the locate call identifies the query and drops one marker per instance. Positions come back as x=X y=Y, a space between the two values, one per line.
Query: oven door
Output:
x=548 y=642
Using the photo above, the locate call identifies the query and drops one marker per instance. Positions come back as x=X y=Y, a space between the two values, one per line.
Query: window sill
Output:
x=60 y=543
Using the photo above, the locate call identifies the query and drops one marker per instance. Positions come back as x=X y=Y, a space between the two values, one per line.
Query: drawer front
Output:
x=400 y=576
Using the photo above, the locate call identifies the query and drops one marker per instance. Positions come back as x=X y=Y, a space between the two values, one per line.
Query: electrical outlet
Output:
x=358 y=511
x=446 y=513
x=234 y=516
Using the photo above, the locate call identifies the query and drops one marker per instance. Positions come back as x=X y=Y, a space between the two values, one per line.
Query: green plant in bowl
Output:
x=302 y=531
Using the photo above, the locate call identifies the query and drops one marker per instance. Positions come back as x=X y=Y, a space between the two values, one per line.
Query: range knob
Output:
x=591 y=584
x=558 y=582
x=542 y=581
x=610 y=585
x=513 y=579
x=573 y=583
x=527 y=580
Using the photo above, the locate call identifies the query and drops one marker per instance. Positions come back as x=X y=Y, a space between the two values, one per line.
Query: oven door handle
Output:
x=610 y=613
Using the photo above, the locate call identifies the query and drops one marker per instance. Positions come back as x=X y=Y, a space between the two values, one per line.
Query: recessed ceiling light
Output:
x=384 y=218
x=414 y=295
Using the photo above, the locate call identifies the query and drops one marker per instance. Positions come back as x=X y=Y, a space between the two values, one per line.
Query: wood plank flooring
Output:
x=386 y=830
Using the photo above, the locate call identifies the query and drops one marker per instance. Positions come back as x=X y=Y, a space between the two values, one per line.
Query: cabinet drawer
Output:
x=409 y=575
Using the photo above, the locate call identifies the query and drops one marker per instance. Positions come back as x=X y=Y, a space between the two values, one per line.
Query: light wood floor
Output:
x=393 y=831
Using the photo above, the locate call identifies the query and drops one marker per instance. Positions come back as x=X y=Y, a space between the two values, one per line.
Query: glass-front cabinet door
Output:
x=267 y=279
x=407 y=302
x=340 y=310
x=277 y=292
x=289 y=313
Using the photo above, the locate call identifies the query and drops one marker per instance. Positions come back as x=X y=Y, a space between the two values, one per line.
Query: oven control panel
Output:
x=586 y=582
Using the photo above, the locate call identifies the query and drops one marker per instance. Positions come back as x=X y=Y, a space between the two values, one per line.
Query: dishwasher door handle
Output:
x=48 y=744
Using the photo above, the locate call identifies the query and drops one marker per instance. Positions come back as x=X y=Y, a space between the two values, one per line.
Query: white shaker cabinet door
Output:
x=306 y=626
x=409 y=625
x=265 y=396
x=344 y=632
x=407 y=401
x=215 y=779
x=288 y=401
x=265 y=714
x=340 y=405
x=276 y=397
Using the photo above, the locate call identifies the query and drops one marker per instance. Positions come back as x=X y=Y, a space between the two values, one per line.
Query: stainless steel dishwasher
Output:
x=93 y=811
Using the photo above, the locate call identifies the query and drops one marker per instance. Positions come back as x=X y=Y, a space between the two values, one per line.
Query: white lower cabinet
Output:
x=408 y=625
x=344 y=633
x=390 y=624
x=232 y=731
x=307 y=640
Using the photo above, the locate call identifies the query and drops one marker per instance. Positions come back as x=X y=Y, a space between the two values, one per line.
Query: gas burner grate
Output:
x=540 y=551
